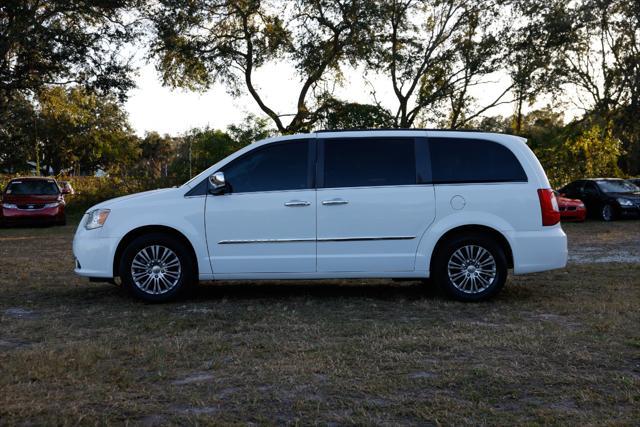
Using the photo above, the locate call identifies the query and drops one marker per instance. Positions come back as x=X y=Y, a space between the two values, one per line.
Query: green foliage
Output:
x=62 y=41
x=580 y=152
x=17 y=133
x=156 y=154
x=81 y=131
x=351 y=115
x=596 y=152
x=250 y=130
x=199 y=149
x=201 y=42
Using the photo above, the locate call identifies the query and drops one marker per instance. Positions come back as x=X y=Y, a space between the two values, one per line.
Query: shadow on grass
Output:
x=272 y=291
x=382 y=290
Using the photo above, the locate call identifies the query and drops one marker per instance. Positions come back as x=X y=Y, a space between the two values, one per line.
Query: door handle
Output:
x=334 y=202
x=294 y=203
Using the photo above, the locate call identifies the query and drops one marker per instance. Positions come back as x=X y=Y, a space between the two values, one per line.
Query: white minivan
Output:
x=461 y=208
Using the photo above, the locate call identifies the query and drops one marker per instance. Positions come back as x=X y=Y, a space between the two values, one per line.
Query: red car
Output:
x=571 y=209
x=33 y=201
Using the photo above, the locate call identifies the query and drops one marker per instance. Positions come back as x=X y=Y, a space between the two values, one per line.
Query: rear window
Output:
x=31 y=187
x=369 y=162
x=458 y=160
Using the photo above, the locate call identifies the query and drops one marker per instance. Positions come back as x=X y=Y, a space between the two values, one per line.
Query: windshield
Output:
x=32 y=187
x=618 y=186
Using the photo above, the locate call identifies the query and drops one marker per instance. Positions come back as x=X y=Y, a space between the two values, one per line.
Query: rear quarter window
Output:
x=461 y=160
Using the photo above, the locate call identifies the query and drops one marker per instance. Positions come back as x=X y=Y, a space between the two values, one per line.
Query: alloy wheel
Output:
x=472 y=269
x=156 y=270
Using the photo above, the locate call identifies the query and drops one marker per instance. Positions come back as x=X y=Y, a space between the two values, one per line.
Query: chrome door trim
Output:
x=326 y=239
x=334 y=202
x=359 y=239
x=294 y=203
x=236 y=242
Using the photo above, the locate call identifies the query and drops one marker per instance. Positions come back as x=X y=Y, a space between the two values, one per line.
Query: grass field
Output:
x=559 y=347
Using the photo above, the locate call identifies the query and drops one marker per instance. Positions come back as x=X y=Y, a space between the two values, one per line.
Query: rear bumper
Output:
x=93 y=253
x=535 y=251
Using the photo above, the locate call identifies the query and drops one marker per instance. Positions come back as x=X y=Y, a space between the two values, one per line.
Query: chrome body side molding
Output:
x=330 y=239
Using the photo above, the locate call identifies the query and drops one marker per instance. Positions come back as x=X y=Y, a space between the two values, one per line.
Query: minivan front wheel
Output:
x=156 y=267
x=470 y=268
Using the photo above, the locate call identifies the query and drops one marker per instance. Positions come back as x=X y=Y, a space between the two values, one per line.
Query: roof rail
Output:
x=405 y=129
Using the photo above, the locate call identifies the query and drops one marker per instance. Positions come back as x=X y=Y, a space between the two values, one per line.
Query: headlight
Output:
x=52 y=205
x=96 y=218
x=625 y=202
x=9 y=206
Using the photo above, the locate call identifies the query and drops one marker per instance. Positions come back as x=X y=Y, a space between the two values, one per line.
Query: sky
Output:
x=152 y=107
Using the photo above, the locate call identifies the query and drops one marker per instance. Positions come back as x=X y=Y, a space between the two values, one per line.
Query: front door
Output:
x=266 y=222
x=373 y=206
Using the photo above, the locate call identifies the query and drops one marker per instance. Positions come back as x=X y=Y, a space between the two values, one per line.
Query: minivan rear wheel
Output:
x=156 y=267
x=470 y=268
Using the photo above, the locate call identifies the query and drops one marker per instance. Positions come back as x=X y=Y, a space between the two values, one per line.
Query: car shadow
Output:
x=282 y=290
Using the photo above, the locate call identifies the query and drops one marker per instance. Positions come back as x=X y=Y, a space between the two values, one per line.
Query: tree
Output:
x=61 y=42
x=83 y=132
x=156 y=153
x=338 y=114
x=602 y=66
x=200 y=42
x=201 y=148
x=17 y=134
x=250 y=130
x=433 y=52
x=595 y=155
x=537 y=33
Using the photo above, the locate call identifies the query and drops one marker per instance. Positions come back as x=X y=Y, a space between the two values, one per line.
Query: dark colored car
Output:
x=571 y=209
x=635 y=181
x=605 y=198
x=33 y=201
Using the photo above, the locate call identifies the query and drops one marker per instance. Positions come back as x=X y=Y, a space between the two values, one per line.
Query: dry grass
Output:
x=553 y=348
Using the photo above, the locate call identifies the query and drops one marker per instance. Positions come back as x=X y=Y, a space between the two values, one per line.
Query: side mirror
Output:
x=66 y=190
x=217 y=183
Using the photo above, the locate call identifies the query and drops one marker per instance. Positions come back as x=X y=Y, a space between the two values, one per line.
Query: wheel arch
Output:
x=148 y=229
x=474 y=228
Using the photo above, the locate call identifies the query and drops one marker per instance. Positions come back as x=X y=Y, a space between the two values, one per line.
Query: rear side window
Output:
x=277 y=167
x=368 y=162
x=457 y=160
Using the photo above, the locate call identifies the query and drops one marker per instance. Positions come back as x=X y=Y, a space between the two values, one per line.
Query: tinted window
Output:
x=365 y=162
x=32 y=187
x=618 y=186
x=571 y=188
x=282 y=166
x=473 y=160
x=590 y=189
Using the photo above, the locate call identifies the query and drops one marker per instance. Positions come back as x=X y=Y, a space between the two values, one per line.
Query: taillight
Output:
x=549 y=207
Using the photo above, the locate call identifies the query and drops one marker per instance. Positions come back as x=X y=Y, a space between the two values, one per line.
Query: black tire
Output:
x=498 y=266
x=185 y=275
x=608 y=212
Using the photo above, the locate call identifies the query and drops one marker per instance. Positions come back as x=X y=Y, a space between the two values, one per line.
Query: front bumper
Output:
x=32 y=216
x=629 y=211
x=93 y=253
